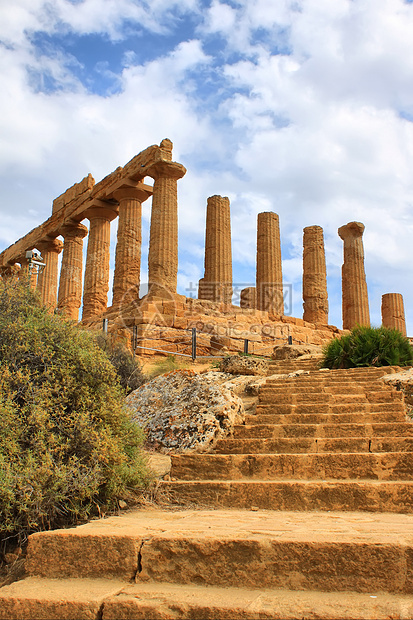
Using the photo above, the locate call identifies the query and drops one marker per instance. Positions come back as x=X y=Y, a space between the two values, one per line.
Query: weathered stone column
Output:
x=217 y=281
x=314 y=276
x=163 y=244
x=96 y=285
x=354 y=284
x=247 y=299
x=48 y=277
x=392 y=312
x=269 y=286
x=70 y=283
x=126 y=279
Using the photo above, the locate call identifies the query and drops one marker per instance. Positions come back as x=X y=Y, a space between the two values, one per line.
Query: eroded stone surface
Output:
x=392 y=312
x=242 y=365
x=294 y=351
x=354 y=285
x=269 y=287
x=183 y=411
x=216 y=284
x=315 y=296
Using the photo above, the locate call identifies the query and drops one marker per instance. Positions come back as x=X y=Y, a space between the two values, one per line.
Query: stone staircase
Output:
x=306 y=512
x=286 y=366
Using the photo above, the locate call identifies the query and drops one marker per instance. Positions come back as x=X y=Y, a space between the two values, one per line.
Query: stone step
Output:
x=312 y=445
x=268 y=396
x=272 y=431
x=333 y=552
x=325 y=418
x=324 y=388
x=300 y=495
x=78 y=599
x=306 y=408
x=332 y=466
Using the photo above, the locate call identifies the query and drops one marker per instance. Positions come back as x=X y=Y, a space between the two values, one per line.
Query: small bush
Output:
x=67 y=445
x=127 y=367
x=368 y=346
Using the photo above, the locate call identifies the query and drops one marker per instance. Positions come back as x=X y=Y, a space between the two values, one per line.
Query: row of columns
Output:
x=267 y=295
x=66 y=293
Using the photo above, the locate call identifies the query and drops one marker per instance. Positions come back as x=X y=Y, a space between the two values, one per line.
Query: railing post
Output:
x=290 y=339
x=134 y=338
x=193 y=344
x=246 y=346
x=105 y=324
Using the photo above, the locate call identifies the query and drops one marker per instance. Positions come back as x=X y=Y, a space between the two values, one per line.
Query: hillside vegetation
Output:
x=67 y=445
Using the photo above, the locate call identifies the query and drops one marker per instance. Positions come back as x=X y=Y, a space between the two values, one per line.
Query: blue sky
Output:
x=302 y=107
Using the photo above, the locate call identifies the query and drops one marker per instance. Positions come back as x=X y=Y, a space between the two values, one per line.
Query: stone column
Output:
x=96 y=285
x=354 y=284
x=314 y=276
x=48 y=276
x=269 y=286
x=247 y=299
x=126 y=279
x=217 y=281
x=70 y=283
x=392 y=312
x=163 y=244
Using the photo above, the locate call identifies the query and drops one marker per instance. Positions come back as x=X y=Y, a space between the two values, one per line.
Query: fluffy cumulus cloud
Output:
x=303 y=107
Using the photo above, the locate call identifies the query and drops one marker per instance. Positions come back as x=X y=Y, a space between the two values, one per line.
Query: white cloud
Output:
x=315 y=133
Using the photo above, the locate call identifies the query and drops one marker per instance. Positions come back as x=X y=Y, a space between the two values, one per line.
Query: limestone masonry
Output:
x=162 y=314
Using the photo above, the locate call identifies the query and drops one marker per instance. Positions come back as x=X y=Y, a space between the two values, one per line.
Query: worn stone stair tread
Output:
x=168 y=602
x=340 y=551
x=85 y=599
x=368 y=429
x=324 y=418
x=314 y=445
x=290 y=494
x=352 y=465
x=35 y=598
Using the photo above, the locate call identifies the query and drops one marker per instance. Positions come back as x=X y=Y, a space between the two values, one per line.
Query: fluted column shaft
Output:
x=126 y=278
x=354 y=284
x=163 y=243
x=47 y=280
x=218 y=255
x=96 y=285
x=269 y=285
x=70 y=283
x=392 y=312
x=315 y=296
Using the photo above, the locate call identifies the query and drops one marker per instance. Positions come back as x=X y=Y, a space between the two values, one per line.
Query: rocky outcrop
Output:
x=182 y=411
x=286 y=352
x=242 y=365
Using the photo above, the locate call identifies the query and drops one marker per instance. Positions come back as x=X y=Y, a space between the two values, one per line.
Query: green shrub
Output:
x=127 y=367
x=368 y=346
x=67 y=445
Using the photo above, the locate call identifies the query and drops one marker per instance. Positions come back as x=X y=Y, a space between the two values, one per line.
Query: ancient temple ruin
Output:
x=260 y=315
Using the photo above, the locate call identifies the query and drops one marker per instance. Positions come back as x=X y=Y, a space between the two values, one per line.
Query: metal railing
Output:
x=190 y=344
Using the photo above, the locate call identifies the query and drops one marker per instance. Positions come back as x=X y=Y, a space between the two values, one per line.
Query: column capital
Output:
x=139 y=193
x=106 y=212
x=50 y=245
x=352 y=230
x=74 y=231
x=166 y=169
